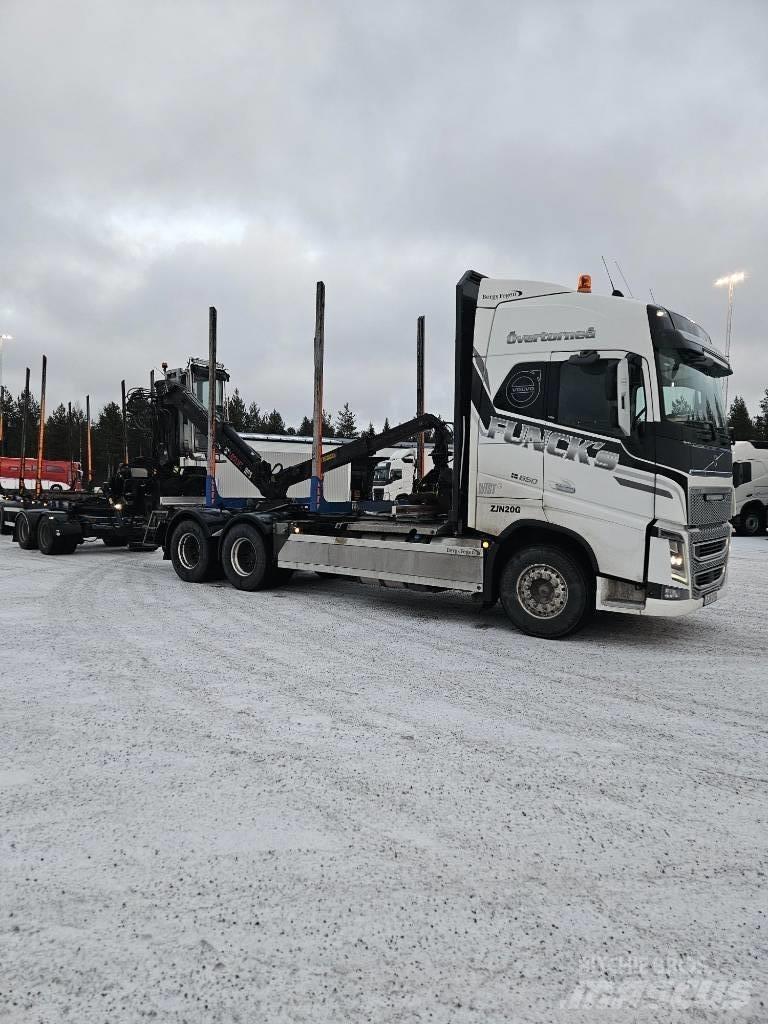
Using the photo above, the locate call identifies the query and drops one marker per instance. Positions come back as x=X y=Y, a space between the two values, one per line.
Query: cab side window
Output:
x=585 y=393
x=522 y=390
x=742 y=473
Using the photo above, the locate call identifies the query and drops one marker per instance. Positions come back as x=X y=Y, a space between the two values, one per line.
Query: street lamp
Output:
x=731 y=280
x=3 y=339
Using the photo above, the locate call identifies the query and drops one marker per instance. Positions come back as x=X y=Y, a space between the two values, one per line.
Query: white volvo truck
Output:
x=592 y=469
x=750 y=481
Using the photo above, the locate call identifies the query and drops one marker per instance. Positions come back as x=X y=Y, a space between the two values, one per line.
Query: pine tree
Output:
x=760 y=429
x=274 y=423
x=764 y=406
x=328 y=429
x=345 y=422
x=238 y=414
x=386 y=425
x=107 y=442
x=739 y=420
x=253 y=422
x=57 y=434
x=305 y=427
x=370 y=430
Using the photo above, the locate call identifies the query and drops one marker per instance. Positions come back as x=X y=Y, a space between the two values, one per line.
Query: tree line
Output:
x=746 y=427
x=65 y=439
x=250 y=419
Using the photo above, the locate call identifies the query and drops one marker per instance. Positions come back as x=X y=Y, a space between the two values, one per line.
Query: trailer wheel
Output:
x=190 y=552
x=244 y=557
x=47 y=541
x=545 y=592
x=26 y=533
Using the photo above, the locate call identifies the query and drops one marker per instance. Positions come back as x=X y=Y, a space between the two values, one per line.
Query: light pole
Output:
x=3 y=339
x=731 y=280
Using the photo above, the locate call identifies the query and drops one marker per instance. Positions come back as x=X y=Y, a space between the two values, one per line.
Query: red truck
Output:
x=57 y=475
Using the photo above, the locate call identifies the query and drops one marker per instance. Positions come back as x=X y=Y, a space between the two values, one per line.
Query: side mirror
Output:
x=623 y=397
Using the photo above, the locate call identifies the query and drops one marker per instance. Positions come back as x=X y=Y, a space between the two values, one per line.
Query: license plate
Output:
x=710 y=598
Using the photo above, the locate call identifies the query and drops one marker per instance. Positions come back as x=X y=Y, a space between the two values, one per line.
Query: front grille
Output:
x=708 y=579
x=709 y=506
x=709 y=550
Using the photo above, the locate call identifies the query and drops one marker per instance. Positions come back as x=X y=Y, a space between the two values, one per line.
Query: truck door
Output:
x=509 y=470
x=592 y=484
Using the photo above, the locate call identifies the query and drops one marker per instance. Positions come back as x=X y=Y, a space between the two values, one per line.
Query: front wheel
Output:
x=191 y=553
x=752 y=522
x=244 y=557
x=546 y=592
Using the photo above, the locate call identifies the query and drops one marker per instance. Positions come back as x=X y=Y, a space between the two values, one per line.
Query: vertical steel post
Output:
x=88 y=445
x=41 y=433
x=24 y=418
x=69 y=446
x=316 y=484
x=420 y=394
x=125 y=424
x=210 y=480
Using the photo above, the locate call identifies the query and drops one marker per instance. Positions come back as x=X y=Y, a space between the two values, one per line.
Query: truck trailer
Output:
x=592 y=470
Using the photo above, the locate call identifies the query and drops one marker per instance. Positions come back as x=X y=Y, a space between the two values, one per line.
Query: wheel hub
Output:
x=243 y=557
x=189 y=551
x=542 y=591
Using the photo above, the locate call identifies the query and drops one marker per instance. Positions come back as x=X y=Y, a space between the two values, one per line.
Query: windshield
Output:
x=690 y=387
x=381 y=473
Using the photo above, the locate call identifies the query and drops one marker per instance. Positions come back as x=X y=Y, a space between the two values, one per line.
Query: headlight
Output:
x=678 y=561
x=118 y=507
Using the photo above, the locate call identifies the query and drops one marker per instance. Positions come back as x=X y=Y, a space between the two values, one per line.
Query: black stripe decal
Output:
x=641 y=487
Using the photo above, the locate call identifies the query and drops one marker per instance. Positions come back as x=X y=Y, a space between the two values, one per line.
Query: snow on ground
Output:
x=339 y=803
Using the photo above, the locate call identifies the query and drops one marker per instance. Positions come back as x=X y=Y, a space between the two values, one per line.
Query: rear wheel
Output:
x=47 y=540
x=26 y=533
x=191 y=552
x=546 y=592
x=244 y=557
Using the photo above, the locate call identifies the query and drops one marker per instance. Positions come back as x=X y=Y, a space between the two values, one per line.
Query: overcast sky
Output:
x=157 y=158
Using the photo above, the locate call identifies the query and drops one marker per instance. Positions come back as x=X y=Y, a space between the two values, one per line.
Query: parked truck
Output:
x=592 y=470
x=750 y=481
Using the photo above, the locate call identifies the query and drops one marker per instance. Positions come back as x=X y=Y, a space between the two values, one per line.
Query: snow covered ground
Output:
x=336 y=803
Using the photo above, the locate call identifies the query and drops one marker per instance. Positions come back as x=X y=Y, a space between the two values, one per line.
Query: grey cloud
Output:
x=162 y=157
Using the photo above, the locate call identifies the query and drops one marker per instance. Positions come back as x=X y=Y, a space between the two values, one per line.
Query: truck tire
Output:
x=244 y=557
x=190 y=552
x=47 y=541
x=752 y=521
x=545 y=591
x=68 y=545
x=26 y=533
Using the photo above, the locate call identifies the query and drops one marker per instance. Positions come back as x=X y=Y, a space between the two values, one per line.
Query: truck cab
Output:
x=393 y=477
x=600 y=418
x=750 y=481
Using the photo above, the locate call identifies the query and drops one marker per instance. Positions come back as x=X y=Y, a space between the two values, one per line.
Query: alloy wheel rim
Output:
x=542 y=591
x=243 y=556
x=189 y=551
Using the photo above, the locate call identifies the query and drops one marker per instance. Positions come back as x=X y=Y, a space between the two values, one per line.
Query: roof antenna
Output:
x=615 y=291
x=653 y=297
x=626 y=282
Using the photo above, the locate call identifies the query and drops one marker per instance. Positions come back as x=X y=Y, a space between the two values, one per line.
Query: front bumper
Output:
x=671 y=592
